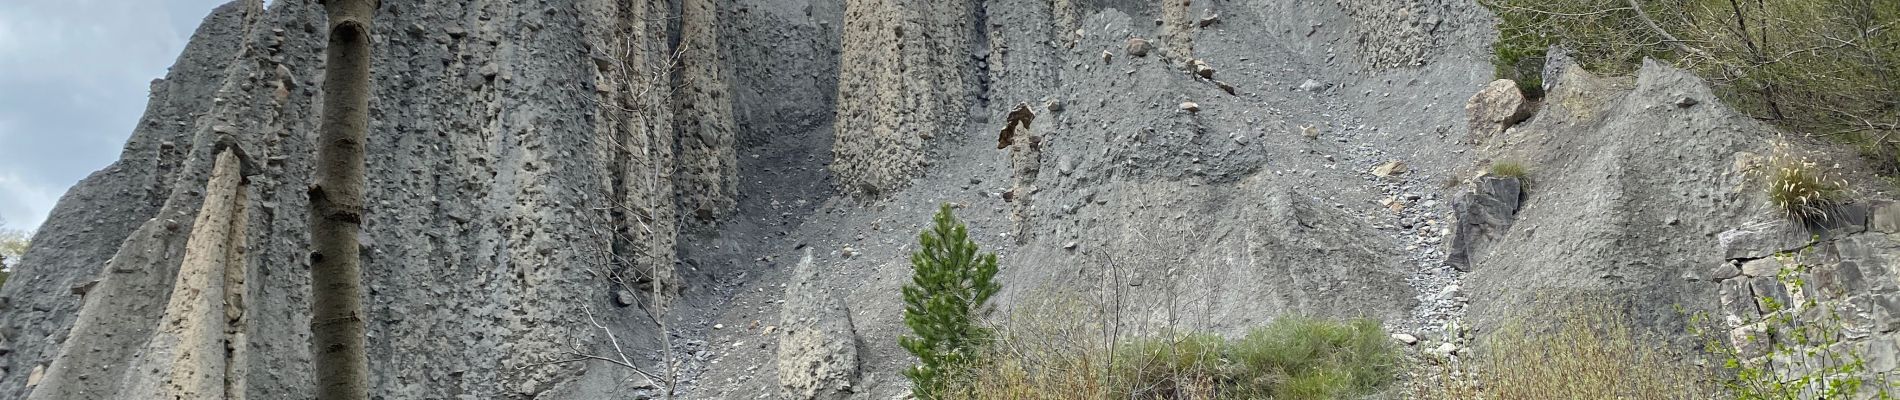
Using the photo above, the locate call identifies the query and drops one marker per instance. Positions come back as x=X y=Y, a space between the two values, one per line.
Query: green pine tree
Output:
x=948 y=288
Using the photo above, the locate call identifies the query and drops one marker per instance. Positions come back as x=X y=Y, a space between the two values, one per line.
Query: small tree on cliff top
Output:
x=949 y=286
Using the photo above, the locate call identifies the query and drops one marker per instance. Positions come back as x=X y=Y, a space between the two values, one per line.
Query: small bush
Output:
x=1291 y=358
x=1802 y=190
x=950 y=285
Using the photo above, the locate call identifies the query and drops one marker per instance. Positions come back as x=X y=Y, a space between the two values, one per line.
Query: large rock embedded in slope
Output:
x=1481 y=216
x=818 y=352
x=1495 y=108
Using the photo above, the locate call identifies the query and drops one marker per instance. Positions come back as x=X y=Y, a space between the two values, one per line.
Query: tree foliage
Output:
x=949 y=288
x=1817 y=67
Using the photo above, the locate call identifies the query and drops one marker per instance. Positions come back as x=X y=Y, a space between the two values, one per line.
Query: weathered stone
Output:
x=1311 y=86
x=1481 y=216
x=1389 y=168
x=1139 y=47
x=1495 y=108
x=1407 y=339
x=818 y=352
x=1769 y=294
x=1761 y=267
x=1737 y=301
x=1190 y=106
x=1884 y=217
x=1203 y=70
x=1722 y=271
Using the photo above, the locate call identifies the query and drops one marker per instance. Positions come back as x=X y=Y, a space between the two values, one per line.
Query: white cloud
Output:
x=23 y=204
x=74 y=76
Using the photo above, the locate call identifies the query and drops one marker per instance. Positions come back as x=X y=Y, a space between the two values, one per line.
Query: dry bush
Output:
x=1588 y=353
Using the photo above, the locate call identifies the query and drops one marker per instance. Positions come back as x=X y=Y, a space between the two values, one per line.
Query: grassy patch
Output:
x=1291 y=358
x=1510 y=169
x=1587 y=353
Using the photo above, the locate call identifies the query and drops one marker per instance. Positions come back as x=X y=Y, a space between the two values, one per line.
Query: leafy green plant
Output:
x=949 y=287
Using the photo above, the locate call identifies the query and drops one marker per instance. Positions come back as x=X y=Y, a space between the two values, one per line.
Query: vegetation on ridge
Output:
x=1826 y=68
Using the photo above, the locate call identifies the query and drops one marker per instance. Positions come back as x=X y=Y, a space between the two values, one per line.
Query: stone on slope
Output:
x=1139 y=47
x=1495 y=108
x=1481 y=216
x=818 y=353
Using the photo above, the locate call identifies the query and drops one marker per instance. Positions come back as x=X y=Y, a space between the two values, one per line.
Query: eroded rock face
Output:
x=520 y=173
x=707 y=164
x=903 y=79
x=818 y=352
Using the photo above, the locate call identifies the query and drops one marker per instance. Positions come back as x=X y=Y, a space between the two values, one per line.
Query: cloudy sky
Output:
x=74 y=76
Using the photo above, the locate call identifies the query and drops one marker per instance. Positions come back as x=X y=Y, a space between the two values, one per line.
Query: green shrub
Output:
x=950 y=285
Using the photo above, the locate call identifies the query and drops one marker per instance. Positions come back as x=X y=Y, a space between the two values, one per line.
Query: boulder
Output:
x=1496 y=107
x=1482 y=215
x=818 y=350
x=1139 y=47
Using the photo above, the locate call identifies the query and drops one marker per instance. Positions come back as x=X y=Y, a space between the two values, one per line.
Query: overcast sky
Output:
x=74 y=77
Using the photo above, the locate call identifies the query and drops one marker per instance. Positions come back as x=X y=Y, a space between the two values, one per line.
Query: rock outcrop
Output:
x=903 y=79
x=1481 y=216
x=521 y=163
x=818 y=351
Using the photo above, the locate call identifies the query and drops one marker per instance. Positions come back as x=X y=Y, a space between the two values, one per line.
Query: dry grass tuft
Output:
x=1064 y=357
x=1802 y=190
x=1587 y=354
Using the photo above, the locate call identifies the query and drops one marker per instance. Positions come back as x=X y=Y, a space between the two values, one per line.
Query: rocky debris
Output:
x=1138 y=47
x=1309 y=132
x=1495 y=108
x=1481 y=216
x=1107 y=56
x=1203 y=70
x=1190 y=107
x=1405 y=338
x=1209 y=17
x=1687 y=102
x=1389 y=168
x=1311 y=86
x=818 y=351
x=1225 y=87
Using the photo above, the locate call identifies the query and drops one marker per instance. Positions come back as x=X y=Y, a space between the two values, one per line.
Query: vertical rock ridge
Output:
x=707 y=167
x=902 y=81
